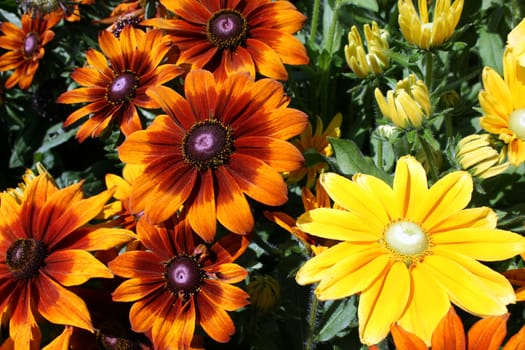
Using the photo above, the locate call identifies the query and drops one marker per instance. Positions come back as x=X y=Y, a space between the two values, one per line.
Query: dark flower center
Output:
x=25 y=257
x=183 y=275
x=226 y=29
x=31 y=44
x=122 y=88
x=126 y=21
x=207 y=144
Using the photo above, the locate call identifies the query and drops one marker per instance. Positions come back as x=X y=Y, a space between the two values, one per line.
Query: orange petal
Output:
x=137 y=263
x=74 y=267
x=488 y=333
x=199 y=89
x=517 y=341
x=137 y=288
x=59 y=305
x=449 y=334
x=205 y=225
x=404 y=340
x=214 y=320
x=267 y=61
x=224 y=295
x=62 y=341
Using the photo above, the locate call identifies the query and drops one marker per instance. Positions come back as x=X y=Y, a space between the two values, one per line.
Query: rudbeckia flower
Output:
x=310 y=141
x=503 y=105
x=44 y=249
x=516 y=41
x=419 y=30
x=177 y=284
x=408 y=250
x=236 y=36
x=115 y=81
x=408 y=105
x=225 y=140
x=25 y=47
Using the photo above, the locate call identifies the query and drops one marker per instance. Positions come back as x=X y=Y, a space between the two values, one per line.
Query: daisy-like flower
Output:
x=177 y=285
x=115 y=81
x=225 y=140
x=478 y=154
x=487 y=333
x=503 y=105
x=236 y=36
x=408 y=105
x=25 y=47
x=416 y=245
x=318 y=143
x=44 y=249
x=420 y=31
x=377 y=58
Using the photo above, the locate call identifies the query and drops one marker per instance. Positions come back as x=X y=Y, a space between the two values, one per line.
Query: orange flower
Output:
x=44 y=244
x=486 y=334
x=115 y=85
x=26 y=47
x=236 y=36
x=225 y=140
x=177 y=284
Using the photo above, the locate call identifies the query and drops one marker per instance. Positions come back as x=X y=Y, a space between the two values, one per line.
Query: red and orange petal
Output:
x=260 y=123
x=266 y=45
x=135 y=58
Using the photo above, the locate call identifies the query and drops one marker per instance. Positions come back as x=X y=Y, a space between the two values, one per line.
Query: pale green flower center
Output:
x=517 y=123
x=406 y=238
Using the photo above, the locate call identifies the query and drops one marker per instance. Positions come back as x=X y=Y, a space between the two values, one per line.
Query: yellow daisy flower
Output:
x=409 y=250
x=504 y=106
x=419 y=30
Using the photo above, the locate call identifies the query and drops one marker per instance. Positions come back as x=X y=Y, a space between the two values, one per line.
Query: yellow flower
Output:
x=516 y=40
x=419 y=30
x=476 y=153
x=408 y=104
x=504 y=106
x=408 y=250
x=28 y=177
x=316 y=142
x=373 y=62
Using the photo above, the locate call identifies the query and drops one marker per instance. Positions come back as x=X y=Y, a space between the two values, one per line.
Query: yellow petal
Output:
x=500 y=95
x=315 y=268
x=336 y=224
x=410 y=186
x=381 y=193
x=377 y=311
x=449 y=195
x=428 y=304
x=481 y=244
x=353 y=274
x=466 y=289
x=355 y=199
x=483 y=217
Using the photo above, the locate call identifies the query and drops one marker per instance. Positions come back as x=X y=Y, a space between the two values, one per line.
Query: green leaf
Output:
x=341 y=316
x=350 y=160
x=491 y=49
x=55 y=136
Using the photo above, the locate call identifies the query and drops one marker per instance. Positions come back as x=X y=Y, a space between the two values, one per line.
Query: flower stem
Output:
x=312 y=322
x=315 y=21
x=428 y=156
x=428 y=73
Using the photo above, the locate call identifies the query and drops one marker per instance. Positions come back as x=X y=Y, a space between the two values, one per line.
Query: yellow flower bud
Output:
x=377 y=58
x=476 y=153
x=408 y=104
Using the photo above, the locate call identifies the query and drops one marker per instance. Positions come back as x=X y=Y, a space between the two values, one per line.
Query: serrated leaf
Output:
x=341 y=315
x=350 y=160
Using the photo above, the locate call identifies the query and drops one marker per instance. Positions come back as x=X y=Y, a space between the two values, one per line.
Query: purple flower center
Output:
x=25 y=257
x=31 y=45
x=183 y=275
x=226 y=29
x=122 y=88
x=208 y=144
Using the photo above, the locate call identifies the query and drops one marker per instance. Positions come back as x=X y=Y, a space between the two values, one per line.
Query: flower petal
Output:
x=135 y=289
x=449 y=333
x=410 y=187
x=488 y=333
x=136 y=263
x=74 y=267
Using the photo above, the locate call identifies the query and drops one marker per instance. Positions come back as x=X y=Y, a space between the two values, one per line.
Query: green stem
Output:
x=448 y=125
x=428 y=156
x=315 y=21
x=429 y=66
x=331 y=30
x=312 y=319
